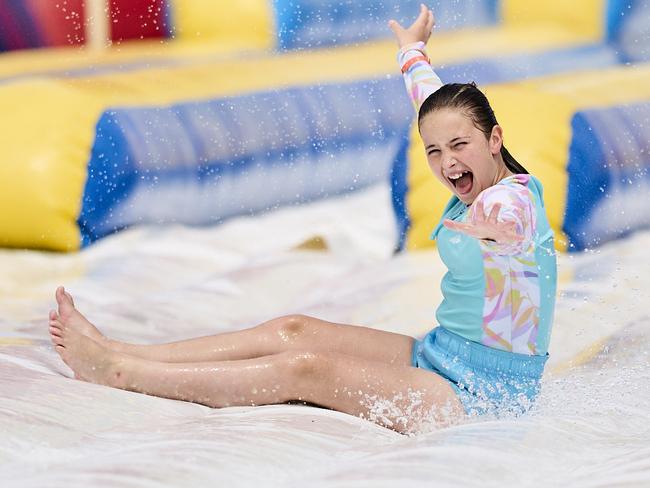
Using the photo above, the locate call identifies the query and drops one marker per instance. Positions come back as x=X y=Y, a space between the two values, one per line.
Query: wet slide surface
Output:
x=591 y=426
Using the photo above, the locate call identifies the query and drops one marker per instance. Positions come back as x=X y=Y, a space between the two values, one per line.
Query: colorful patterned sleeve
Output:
x=419 y=77
x=516 y=206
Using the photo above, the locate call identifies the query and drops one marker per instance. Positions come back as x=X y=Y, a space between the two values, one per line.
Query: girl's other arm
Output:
x=503 y=218
x=419 y=77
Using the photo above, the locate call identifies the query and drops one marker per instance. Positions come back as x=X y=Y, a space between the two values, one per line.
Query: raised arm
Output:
x=419 y=77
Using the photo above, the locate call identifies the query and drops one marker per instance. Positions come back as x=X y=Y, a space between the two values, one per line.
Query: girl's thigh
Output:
x=400 y=397
x=302 y=332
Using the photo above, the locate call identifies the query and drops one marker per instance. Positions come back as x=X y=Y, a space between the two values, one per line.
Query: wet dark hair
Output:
x=469 y=99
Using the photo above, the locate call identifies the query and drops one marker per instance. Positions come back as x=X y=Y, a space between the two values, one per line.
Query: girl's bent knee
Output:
x=290 y=328
x=305 y=364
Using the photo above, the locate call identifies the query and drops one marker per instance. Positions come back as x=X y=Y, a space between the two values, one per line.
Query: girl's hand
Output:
x=487 y=227
x=419 y=31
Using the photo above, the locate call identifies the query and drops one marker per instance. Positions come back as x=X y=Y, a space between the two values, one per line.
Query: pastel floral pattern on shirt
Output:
x=512 y=296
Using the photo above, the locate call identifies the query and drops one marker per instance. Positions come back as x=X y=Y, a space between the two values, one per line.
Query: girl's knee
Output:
x=290 y=327
x=305 y=365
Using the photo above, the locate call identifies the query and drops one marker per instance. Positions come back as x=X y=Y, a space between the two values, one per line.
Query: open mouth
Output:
x=463 y=182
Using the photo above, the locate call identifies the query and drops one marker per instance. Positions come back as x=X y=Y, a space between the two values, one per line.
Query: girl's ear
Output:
x=496 y=140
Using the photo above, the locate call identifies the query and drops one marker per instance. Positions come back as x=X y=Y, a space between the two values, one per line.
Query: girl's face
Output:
x=460 y=155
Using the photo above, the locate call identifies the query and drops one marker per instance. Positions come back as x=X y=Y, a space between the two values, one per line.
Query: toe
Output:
x=56 y=324
x=66 y=307
x=56 y=338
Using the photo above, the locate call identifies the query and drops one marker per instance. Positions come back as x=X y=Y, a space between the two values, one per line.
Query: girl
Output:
x=487 y=354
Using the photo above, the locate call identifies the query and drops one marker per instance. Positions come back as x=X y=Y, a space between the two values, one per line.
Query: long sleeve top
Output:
x=500 y=294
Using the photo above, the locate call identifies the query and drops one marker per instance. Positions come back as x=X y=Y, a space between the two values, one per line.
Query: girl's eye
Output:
x=459 y=144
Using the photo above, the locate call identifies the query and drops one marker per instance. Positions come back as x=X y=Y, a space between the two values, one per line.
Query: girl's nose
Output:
x=449 y=162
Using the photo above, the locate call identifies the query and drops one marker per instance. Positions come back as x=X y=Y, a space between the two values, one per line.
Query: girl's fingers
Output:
x=450 y=224
x=466 y=228
x=492 y=219
x=431 y=21
x=461 y=227
x=479 y=213
x=396 y=27
x=423 y=16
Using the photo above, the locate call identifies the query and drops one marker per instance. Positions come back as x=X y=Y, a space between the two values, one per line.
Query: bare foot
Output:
x=89 y=360
x=69 y=317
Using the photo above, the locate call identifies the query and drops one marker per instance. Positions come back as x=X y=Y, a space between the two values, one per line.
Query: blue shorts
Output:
x=487 y=380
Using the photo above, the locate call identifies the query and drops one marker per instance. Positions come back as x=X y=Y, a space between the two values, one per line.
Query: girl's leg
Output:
x=395 y=396
x=290 y=333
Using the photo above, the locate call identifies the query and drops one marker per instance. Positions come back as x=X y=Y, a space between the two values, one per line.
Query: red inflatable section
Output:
x=138 y=19
x=26 y=24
